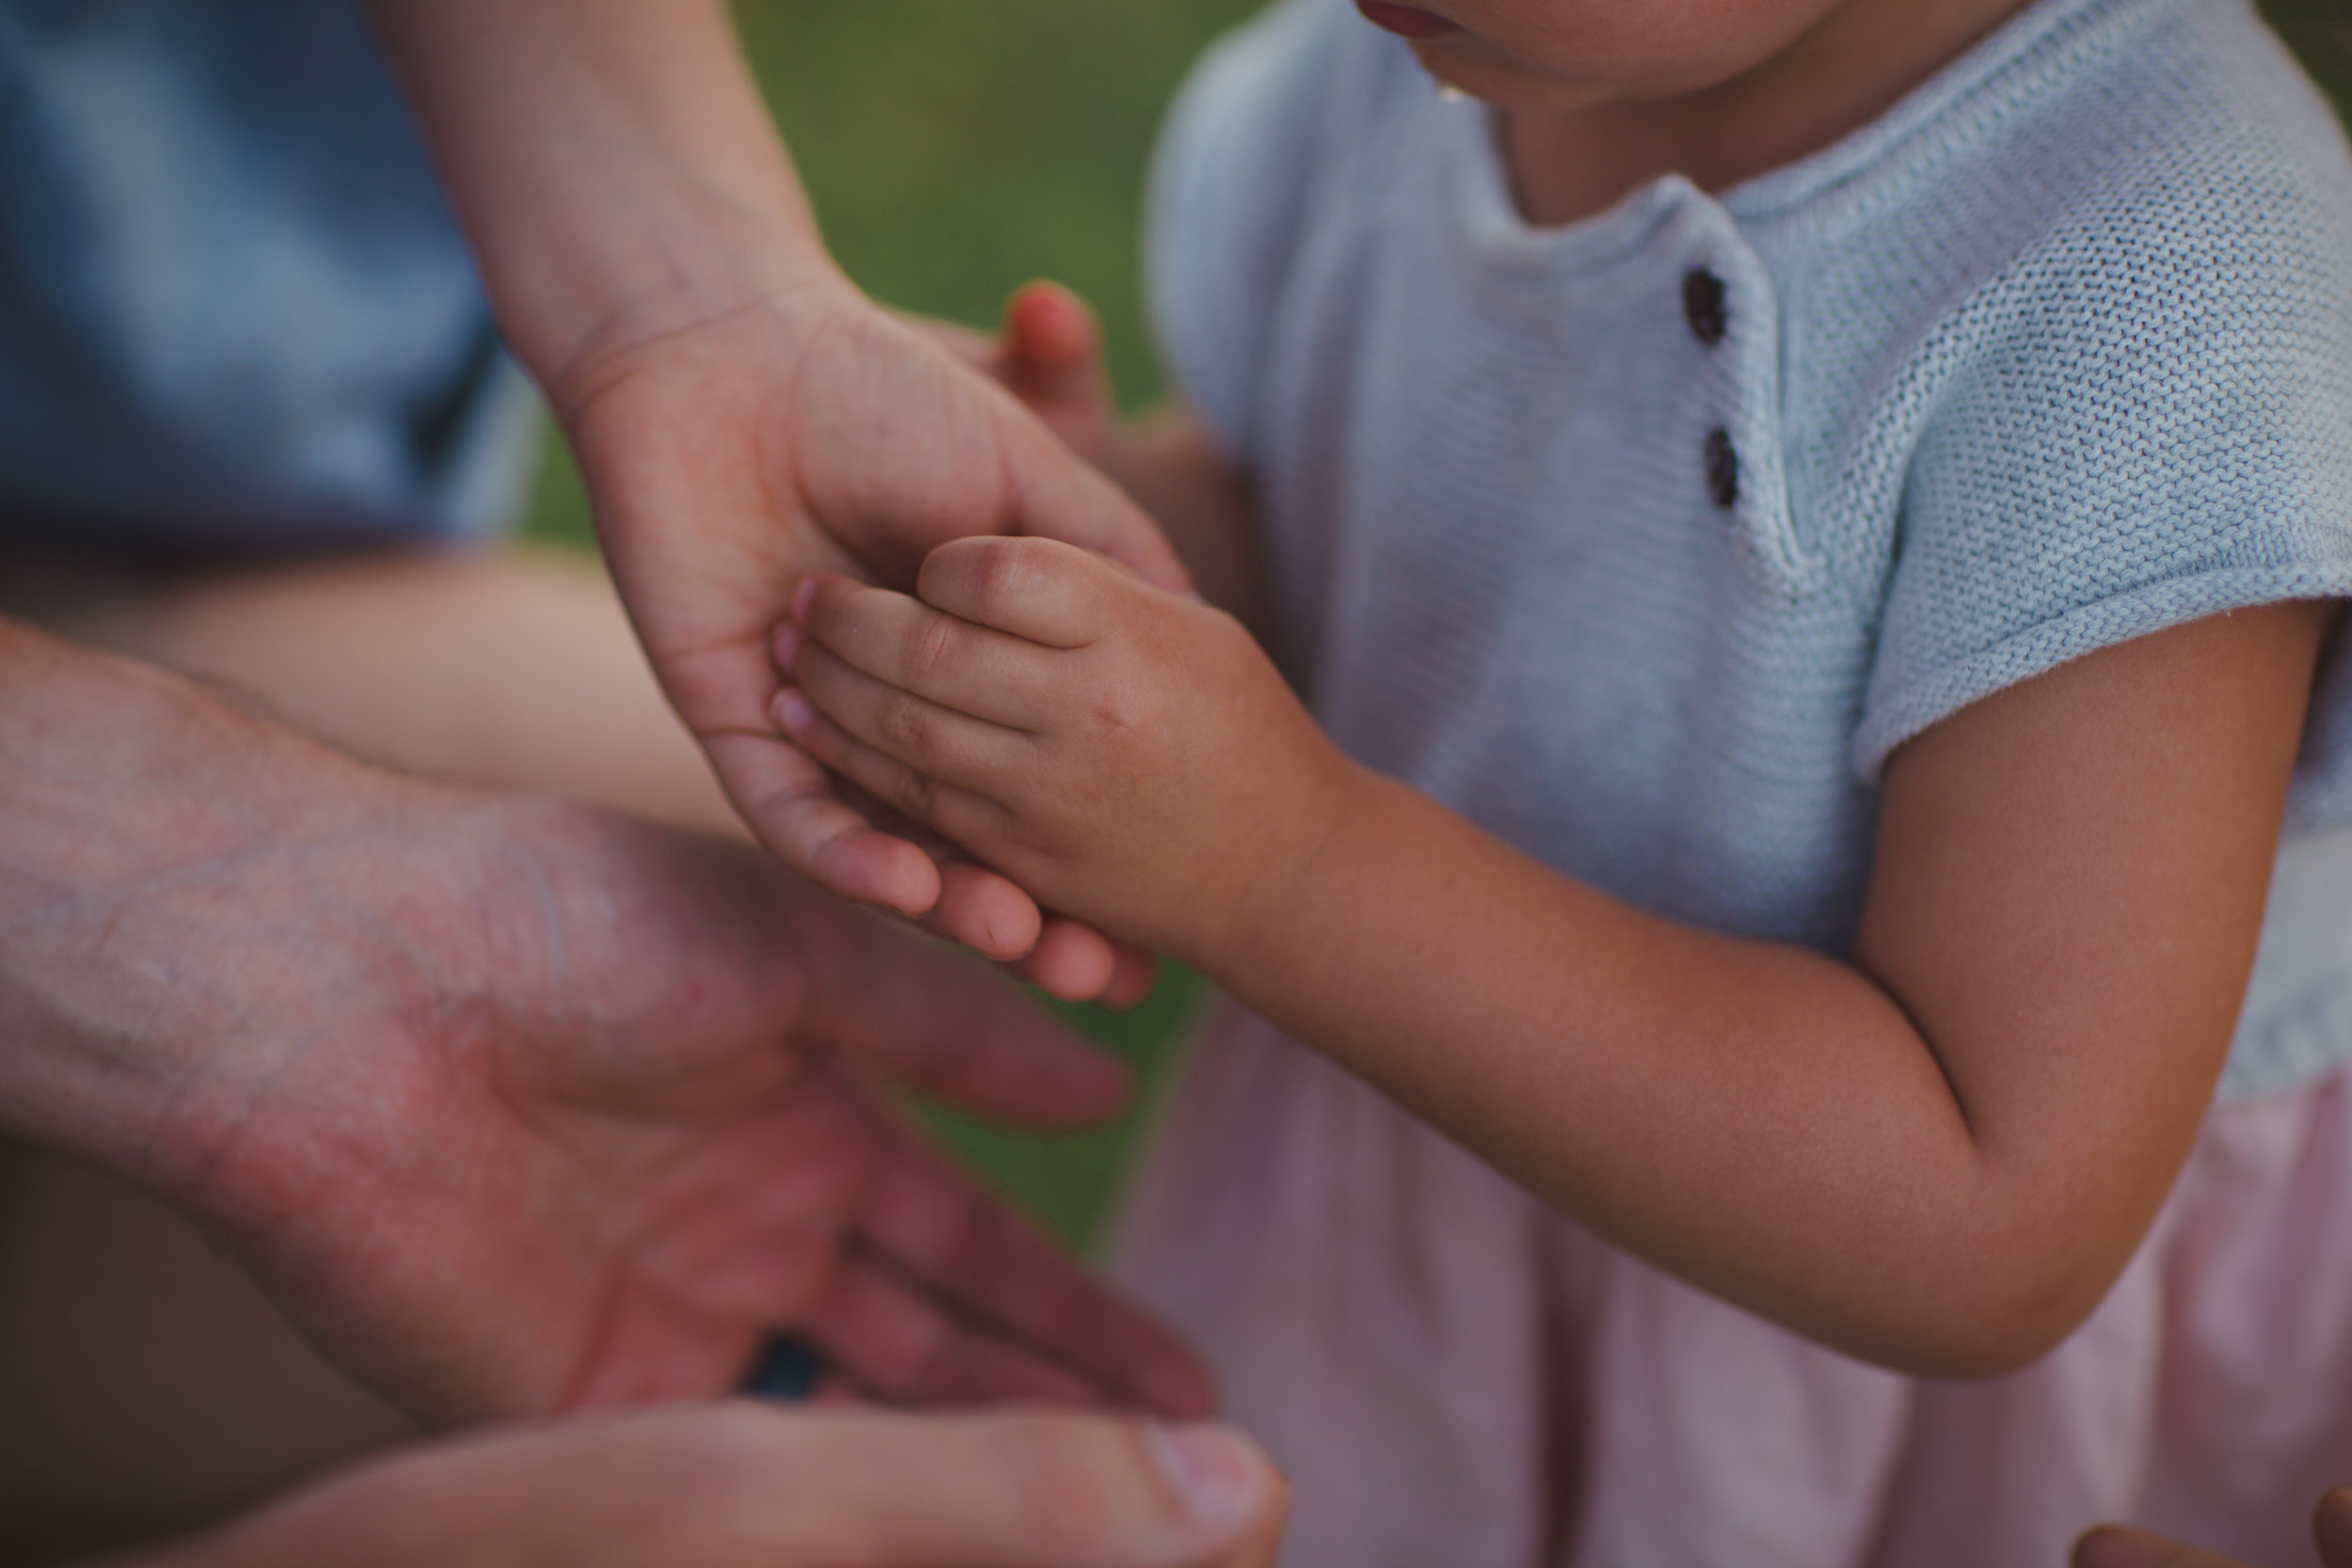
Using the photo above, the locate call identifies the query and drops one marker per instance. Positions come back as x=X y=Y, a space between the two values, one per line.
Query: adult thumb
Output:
x=1034 y=1490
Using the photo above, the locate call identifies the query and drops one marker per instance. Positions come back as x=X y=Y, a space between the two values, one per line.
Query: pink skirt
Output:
x=1455 y=1376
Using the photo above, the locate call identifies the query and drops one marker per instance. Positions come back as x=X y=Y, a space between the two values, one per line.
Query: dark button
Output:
x=1723 y=468
x=1703 y=306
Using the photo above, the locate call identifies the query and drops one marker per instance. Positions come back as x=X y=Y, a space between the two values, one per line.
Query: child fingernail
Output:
x=793 y=712
x=787 y=646
x=800 y=597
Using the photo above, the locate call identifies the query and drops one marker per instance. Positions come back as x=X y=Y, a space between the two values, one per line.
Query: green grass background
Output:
x=956 y=148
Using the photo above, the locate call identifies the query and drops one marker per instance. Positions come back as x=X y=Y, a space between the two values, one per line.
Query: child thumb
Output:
x=1053 y=348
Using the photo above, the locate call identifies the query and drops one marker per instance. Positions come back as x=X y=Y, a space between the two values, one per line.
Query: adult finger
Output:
x=1072 y=962
x=925 y=1018
x=783 y=794
x=972 y=1252
x=1066 y=959
x=745 y=1485
x=2119 y=1547
x=1135 y=976
x=977 y=908
x=1034 y=1490
x=904 y=642
x=895 y=1343
x=1039 y=589
x=1057 y=496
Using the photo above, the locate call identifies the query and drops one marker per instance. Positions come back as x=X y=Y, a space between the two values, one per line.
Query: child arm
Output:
x=1937 y=1156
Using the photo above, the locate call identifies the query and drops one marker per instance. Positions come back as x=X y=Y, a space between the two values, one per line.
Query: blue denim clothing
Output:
x=235 y=312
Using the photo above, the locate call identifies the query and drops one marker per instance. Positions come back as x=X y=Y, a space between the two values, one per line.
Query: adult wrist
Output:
x=612 y=163
x=120 y=788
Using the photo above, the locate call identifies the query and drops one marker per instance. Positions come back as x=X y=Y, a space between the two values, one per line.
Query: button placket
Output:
x=1723 y=468
x=1706 y=307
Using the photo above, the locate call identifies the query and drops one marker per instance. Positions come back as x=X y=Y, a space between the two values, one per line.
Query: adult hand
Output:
x=742 y=414
x=519 y=1108
x=737 y=1486
x=803 y=430
x=2115 y=1546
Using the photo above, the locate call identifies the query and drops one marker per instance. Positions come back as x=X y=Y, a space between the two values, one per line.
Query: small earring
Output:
x=1449 y=93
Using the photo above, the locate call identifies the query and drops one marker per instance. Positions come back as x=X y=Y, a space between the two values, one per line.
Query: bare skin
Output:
x=523 y=1109
x=742 y=414
x=1599 y=100
x=512 y=670
x=737 y=1486
x=1936 y=1156
x=516 y=1107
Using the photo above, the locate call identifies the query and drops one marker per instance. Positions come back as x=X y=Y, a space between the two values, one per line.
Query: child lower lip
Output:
x=1407 y=21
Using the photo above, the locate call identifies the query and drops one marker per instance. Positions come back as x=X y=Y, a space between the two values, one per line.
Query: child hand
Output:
x=1127 y=755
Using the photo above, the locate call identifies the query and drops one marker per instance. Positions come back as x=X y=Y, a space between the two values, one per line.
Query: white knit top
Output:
x=1643 y=542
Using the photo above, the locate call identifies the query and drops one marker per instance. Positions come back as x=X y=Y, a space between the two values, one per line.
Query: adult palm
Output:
x=728 y=456
x=528 y=1108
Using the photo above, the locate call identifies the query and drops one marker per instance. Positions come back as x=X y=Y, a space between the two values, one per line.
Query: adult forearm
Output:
x=116 y=781
x=612 y=163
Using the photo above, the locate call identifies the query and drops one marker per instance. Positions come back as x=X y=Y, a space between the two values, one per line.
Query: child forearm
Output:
x=1762 y=1121
x=1937 y=1156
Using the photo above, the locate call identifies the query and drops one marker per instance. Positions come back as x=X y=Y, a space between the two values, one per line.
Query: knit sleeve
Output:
x=2146 y=419
x=1228 y=186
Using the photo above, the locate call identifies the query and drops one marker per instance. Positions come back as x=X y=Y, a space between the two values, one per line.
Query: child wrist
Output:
x=1283 y=898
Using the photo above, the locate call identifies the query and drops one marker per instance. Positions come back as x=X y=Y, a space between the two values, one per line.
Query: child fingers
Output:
x=952 y=746
x=906 y=644
x=958 y=813
x=1039 y=589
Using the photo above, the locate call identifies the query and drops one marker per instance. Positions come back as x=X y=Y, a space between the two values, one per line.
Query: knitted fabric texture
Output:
x=1643 y=542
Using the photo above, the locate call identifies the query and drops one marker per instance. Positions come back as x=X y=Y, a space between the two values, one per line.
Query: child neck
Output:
x=1570 y=162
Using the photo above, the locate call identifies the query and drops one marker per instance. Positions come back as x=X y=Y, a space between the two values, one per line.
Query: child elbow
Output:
x=2001 y=1322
